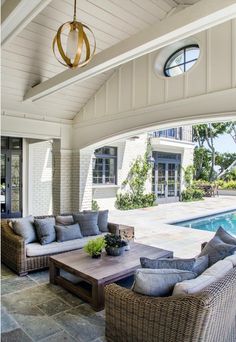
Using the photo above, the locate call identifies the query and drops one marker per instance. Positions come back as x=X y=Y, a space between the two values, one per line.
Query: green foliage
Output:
x=95 y=205
x=188 y=175
x=202 y=163
x=129 y=201
x=95 y=247
x=224 y=160
x=192 y=194
x=112 y=240
x=230 y=185
x=230 y=175
x=134 y=185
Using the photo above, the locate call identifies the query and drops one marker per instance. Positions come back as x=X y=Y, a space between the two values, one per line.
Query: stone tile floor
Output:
x=34 y=310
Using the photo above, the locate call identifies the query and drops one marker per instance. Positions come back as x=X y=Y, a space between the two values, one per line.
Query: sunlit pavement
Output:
x=152 y=225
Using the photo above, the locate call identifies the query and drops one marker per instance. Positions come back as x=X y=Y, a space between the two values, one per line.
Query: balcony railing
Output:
x=173 y=133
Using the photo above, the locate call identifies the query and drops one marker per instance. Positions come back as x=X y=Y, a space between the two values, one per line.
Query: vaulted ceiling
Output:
x=28 y=59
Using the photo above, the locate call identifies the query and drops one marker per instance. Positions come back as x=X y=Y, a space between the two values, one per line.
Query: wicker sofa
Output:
x=208 y=316
x=14 y=249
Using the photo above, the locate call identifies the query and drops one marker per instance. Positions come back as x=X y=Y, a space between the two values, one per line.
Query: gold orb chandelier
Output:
x=78 y=46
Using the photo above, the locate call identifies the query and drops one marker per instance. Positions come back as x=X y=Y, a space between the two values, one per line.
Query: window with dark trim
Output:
x=181 y=60
x=105 y=170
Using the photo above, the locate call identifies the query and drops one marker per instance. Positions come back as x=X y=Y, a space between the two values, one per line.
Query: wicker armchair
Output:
x=13 y=251
x=209 y=316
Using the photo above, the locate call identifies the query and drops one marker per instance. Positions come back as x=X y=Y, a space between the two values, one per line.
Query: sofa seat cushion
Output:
x=212 y=274
x=36 y=249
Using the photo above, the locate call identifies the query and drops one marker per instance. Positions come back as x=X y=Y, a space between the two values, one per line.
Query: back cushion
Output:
x=88 y=223
x=217 y=250
x=66 y=220
x=65 y=233
x=25 y=228
x=213 y=273
x=225 y=237
x=197 y=265
x=45 y=230
x=102 y=219
x=158 y=282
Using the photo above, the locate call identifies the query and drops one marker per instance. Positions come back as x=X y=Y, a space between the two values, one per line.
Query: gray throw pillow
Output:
x=217 y=250
x=159 y=282
x=197 y=266
x=88 y=223
x=65 y=233
x=225 y=237
x=64 y=220
x=24 y=227
x=102 y=219
x=45 y=230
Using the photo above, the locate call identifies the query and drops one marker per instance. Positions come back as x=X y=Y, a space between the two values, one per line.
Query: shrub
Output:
x=129 y=201
x=95 y=205
x=231 y=185
x=192 y=194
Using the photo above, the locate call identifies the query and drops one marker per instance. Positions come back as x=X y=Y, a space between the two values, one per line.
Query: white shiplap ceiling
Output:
x=28 y=59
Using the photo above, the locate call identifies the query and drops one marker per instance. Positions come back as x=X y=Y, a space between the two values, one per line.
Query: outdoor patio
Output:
x=34 y=310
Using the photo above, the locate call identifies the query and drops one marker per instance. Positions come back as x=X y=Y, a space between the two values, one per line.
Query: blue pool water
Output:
x=226 y=220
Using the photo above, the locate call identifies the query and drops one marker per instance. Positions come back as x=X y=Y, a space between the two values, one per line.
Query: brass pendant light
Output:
x=78 y=50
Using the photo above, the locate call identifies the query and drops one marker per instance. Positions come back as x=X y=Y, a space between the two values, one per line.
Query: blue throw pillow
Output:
x=88 y=223
x=24 y=227
x=45 y=230
x=65 y=233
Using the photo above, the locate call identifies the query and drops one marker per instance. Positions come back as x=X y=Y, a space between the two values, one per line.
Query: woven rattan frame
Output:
x=209 y=316
x=13 y=251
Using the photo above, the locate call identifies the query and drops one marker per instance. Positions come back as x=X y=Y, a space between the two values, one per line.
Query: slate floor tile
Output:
x=16 y=335
x=53 y=307
x=17 y=302
x=13 y=284
x=60 y=337
x=69 y=298
x=37 y=326
x=78 y=325
x=40 y=277
x=7 y=321
x=6 y=272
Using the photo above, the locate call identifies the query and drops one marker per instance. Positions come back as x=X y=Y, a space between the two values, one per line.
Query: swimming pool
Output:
x=226 y=220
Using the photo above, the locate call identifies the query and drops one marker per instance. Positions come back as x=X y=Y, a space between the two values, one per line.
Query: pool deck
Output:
x=152 y=225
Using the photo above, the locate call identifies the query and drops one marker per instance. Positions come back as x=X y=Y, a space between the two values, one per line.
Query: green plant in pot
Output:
x=94 y=247
x=114 y=245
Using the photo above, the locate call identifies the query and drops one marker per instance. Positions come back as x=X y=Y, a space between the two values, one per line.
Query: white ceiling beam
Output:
x=199 y=17
x=16 y=14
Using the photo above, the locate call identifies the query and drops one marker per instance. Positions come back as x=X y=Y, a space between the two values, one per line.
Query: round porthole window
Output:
x=181 y=60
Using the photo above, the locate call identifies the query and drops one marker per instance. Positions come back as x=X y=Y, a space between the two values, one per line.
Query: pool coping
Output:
x=195 y=217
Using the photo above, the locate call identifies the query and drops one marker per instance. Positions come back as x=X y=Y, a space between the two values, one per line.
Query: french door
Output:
x=167 y=181
x=11 y=177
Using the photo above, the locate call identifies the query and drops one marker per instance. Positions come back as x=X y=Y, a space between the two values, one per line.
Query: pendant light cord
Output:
x=74 y=10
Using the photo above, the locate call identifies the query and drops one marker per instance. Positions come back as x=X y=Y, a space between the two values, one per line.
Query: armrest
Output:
x=122 y=230
x=152 y=318
x=13 y=248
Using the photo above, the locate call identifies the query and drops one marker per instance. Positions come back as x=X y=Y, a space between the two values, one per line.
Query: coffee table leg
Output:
x=98 y=296
x=53 y=272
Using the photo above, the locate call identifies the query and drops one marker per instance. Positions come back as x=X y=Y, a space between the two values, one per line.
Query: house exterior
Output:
x=172 y=151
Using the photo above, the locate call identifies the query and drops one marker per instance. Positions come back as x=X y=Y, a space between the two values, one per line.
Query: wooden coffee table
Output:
x=89 y=276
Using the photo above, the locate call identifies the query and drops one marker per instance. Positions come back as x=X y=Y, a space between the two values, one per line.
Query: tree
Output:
x=231 y=129
x=224 y=160
x=201 y=161
x=205 y=134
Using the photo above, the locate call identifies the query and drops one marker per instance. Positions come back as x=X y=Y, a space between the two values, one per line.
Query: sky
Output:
x=225 y=144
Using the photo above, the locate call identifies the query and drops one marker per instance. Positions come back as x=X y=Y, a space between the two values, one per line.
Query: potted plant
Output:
x=94 y=247
x=114 y=245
